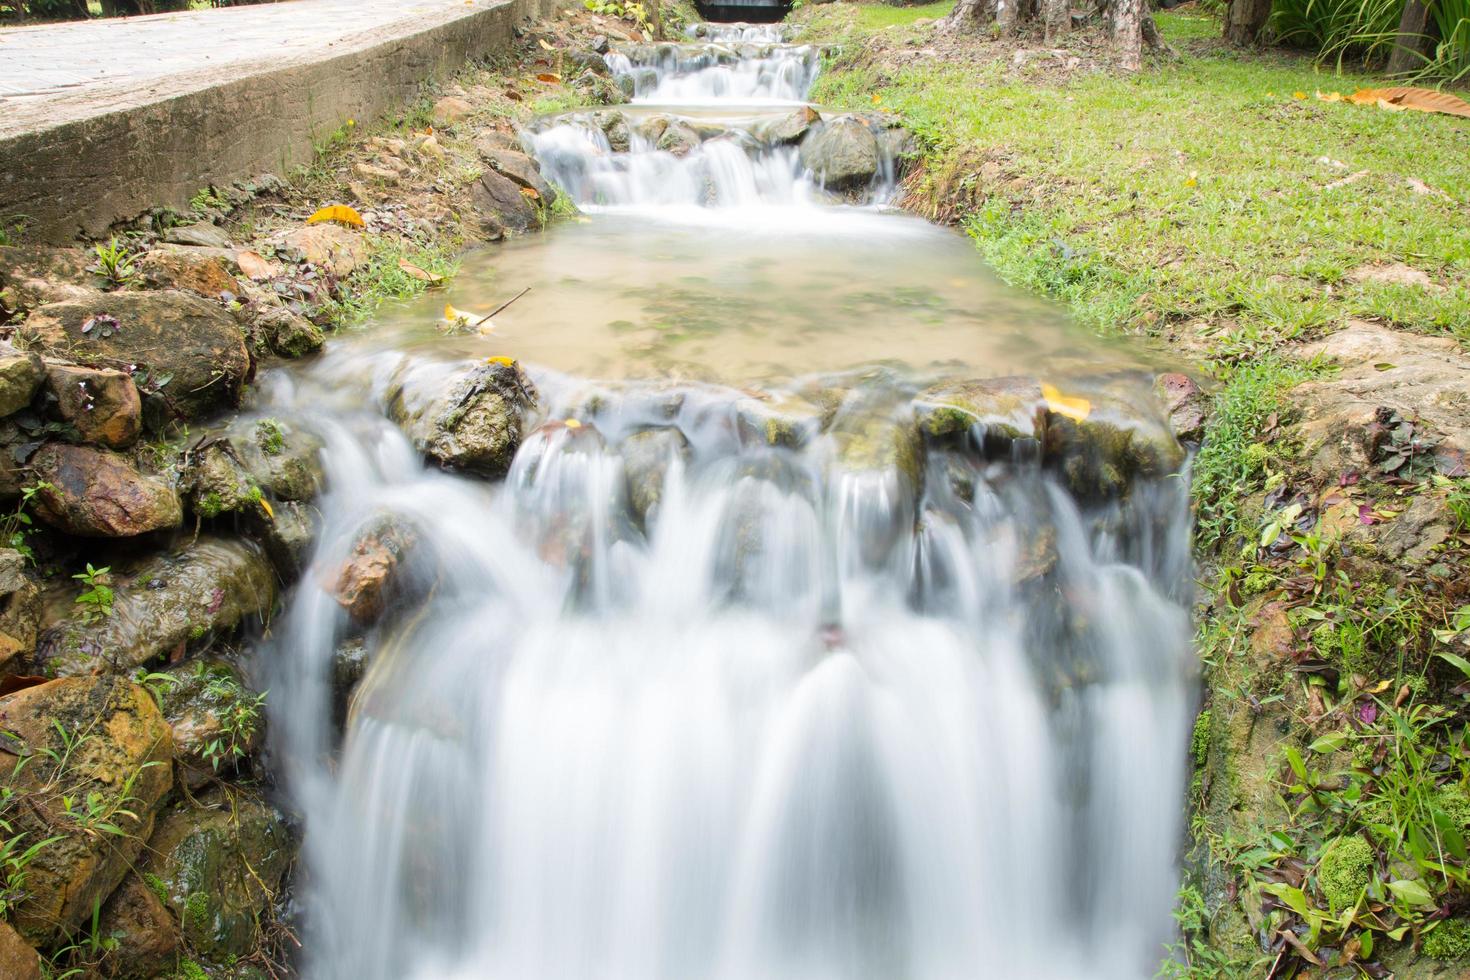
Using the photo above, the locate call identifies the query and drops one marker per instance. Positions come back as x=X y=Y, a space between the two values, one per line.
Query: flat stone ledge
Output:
x=102 y=120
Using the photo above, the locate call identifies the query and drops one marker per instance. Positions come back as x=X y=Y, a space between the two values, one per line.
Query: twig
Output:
x=501 y=307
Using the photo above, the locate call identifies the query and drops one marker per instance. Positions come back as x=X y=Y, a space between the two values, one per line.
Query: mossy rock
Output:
x=992 y=414
x=218 y=866
x=778 y=420
x=199 y=707
x=647 y=456
x=471 y=420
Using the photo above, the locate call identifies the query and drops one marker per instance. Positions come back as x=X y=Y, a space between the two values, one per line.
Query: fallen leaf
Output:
x=1076 y=409
x=573 y=424
x=339 y=213
x=501 y=359
x=1400 y=97
x=255 y=265
x=415 y=272
x=1298 y=95
x=542 y=41
x=514 y=96
x=531 y=193
x=549 y=77
x=1383 y=366
x=458 y=316
x=265 y=505
x=1330 y=96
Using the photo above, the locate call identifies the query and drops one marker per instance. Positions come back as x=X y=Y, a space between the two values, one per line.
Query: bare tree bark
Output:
x=1411 y=47
x=1126 y=27
x=1245 y=20
x=658 y=19
x=968 y=14
x=1056 y=15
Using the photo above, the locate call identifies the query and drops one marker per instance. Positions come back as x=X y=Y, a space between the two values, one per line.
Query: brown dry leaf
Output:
x=514 y=96
x=1402 y=97
x=256 y=266
x=549 y=77
x=339 y=213
x=419 y=274
x=542 y=42
x=531 y=193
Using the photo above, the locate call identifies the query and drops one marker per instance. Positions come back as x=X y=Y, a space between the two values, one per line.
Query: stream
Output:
x=732 y=676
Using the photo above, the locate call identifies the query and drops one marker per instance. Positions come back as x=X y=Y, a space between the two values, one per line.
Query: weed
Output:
x=208 y=200
x=95 y=600
x=17 y=526
x=114 y=264
x=382 y=279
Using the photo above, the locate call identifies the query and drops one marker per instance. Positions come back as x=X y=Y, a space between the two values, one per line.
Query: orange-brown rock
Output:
x=18 y=960
x=147 y=935
x=194 y=270
x=101 y=404
x=96 y=493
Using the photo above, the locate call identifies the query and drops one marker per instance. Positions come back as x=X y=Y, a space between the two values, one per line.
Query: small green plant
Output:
x=208 y=199
x=269 y=434
x=626 y=9
x=17 y=525
x=95 y=600
x=114 y=264
x=239 y=713
x=17 y=849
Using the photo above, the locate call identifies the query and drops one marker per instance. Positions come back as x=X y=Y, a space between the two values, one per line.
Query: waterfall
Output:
x=699 y=692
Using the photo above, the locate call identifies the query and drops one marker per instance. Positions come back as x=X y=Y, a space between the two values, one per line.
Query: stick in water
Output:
x=501 y=307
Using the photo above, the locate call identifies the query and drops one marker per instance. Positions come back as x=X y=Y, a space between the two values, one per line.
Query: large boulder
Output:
x=993 y=414
x=21 y=373
x=101 y=744
x=20 y=609
x=678 y=138
x=519 y=168
x=162 y=603
x=217 y=864
x=185 y=352
x=473 y=423
x=374 y=575
x=204 y=271
x=841 y=153
x=792 y=127
x=496 y=194
x=18 y=958
x=31 y=276
x=101 y=404
x=96 y=493
x=647 y=456
x=328 y=246
x=146 y=933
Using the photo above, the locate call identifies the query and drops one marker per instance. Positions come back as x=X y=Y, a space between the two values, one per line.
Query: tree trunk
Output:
x=1057 y=16
x=658 y=19
x=1126 y=27
x=969 y=14
x=1245 y=20
x=1411 y=47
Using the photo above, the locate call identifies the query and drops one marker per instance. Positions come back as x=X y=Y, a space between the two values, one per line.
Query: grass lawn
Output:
x=1210 y=200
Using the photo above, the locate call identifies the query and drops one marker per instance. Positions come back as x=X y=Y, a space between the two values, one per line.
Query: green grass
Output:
x=382 y=279
x=1193 y=191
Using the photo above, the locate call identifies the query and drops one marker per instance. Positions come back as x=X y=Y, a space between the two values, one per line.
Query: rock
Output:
x=490 y=227
x=1414 y=376
x=161 y=603
x=1392 y=274
x=250 y=460
x=650 y=128
x=371 y=172
x=450 y=110
x=146 y=933
x=201 y=233
x=121 y=752
x=1187 y=405
x=21 y=374
x=842 y=153
x=792 y=128
x=494 y=193
x=288 y=334
x=521 y=169
x=619 y=133
x=1272 y=637
x=330 y=246
x=218 y=867
x=200 y=271
x=102 y=405
x=1413 y=536
x=369 y=581
x=600 y=44
x=647 y=457
x=1102 y=454
x=217 y=720
x=472 y=424
x=678 y=138
x=287 y=537
x=994 y=414
x=20 y=609
x=95 y=493
x=18 y=959
x=190 y=354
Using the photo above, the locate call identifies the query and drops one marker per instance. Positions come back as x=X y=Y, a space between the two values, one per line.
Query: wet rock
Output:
x=678 y=138
x=369 y=581
x=163 y=602
x=200 y=271
x=332 y=247
x=494 y=193
x=102 y=405
x=146 y=933
x=288 y=334
x=474 y=423
x=216 y=719
x=588 y=61
x=647 y=456
x=349 y=664
x=794 y=127
x=450 y=110
x=96 y=493
x=1413 y=376
x=21 y=374
x=201 y=233
x=778 y=420
x=521 y=169
x=18 y=958
x=619 y=133
x=189 y=353
x=1101 y=455
x=1414 y=535
x=121 y=752
x=842 y=153
x=994 y=414
x=600 y=44
x=20 y=609
x=1187 y=404
x=218 y=866
x=651 y=128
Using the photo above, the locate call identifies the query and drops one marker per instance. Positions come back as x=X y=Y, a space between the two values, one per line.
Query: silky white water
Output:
x=672 y=702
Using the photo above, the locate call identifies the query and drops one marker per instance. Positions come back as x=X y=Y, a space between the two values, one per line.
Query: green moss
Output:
x=1455 y=803
x=1450 y=940
x=1345 y=871
x=156 y=886
x=1199 y=742
x=196 y=910
x=189 y=970
x=210 y=506
x=272 y=440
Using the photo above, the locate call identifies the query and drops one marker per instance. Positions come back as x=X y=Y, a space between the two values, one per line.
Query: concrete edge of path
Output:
x=81 y=177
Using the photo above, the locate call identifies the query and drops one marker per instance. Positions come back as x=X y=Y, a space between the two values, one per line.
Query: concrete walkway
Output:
x=272 y=76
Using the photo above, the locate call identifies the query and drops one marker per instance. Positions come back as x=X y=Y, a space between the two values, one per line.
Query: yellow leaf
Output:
x=457 y=316
x=573 y=424
x=1298 y=95
x=1380 y=687
x=877 y=98
x=339 y=213
x=265 y=505
x=549 y=77
x=1401 y=97
x=256 y=266
x=1330 y=96
x=542 y=42
x=531 y=193
x=415 y=272
x=1076 y=409
x=501 y=359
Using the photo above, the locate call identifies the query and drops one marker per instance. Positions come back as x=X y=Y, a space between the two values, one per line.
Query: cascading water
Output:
x=736 y=682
